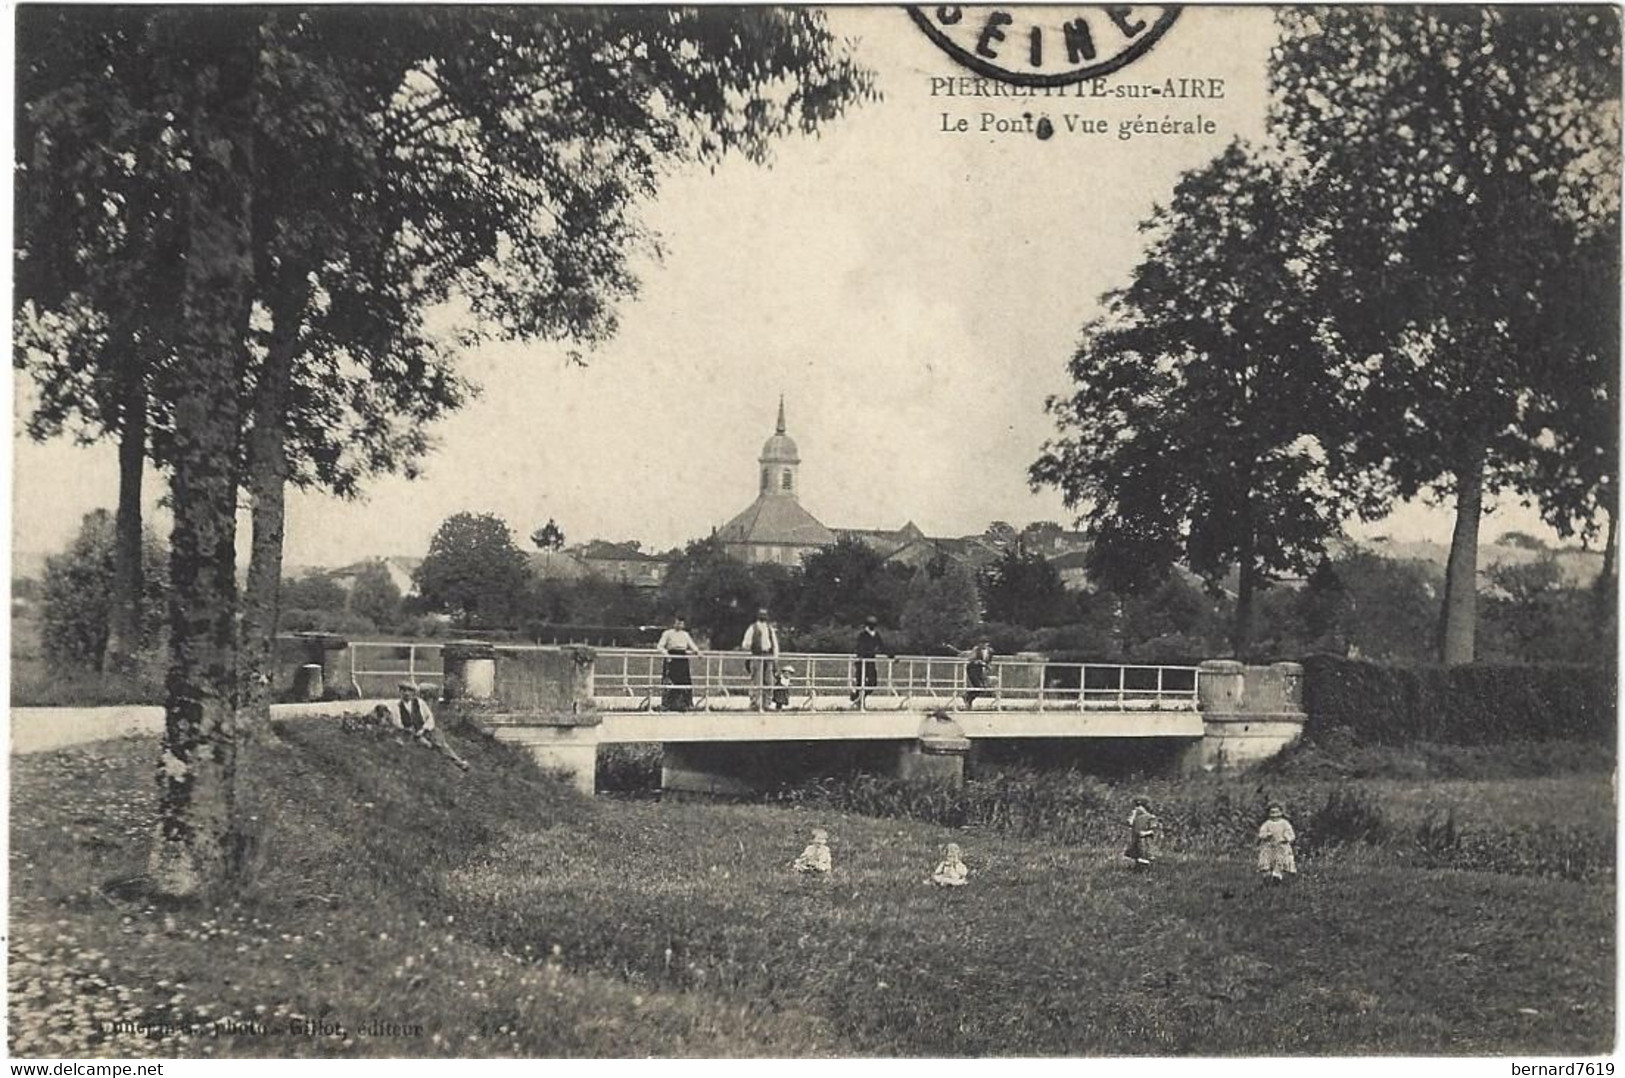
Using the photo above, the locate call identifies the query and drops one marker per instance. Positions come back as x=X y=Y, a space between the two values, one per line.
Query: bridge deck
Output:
x=892 y=725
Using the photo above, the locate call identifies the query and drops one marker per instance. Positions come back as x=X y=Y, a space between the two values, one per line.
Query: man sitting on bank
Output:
x=414 y=715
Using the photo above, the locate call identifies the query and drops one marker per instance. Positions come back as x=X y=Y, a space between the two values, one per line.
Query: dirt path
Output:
x=41 y=729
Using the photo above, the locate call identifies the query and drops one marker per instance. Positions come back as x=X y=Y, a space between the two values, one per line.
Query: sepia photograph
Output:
x=872 y=532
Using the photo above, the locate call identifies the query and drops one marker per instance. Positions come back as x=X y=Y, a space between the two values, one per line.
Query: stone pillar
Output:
x=307 y=683
x=937 y=754
x=1221 y=685
x=1249 y=713
x=332 y=653
x=470 y=671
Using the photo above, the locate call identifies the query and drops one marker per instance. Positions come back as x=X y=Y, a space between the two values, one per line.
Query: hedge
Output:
x=1477 y=704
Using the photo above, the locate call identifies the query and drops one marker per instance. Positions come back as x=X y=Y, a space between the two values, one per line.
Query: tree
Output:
x=1193 y=432
x=94 y=292
x=1024 y=589
x=1387 y=608
x=1464 y=160
x=78 y=588
x=375 y=596
x=716 y=592
x=314 y=591
x=847 y=581
x=942 y=608
x=548 y=537
x=470 y=145
x=474 y=571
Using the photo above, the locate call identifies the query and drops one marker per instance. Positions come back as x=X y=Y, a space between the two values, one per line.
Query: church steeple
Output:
x=779 y=460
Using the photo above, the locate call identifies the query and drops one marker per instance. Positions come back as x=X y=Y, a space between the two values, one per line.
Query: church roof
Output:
x=776 y=518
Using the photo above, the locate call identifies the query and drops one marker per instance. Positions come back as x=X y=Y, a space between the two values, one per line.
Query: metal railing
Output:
x=376 y=668
x=636 y=679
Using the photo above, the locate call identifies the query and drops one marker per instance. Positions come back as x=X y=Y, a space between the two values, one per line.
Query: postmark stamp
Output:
x=1044 y=46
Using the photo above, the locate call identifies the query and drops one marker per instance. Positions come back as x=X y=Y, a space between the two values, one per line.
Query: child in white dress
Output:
x=952 y=870
x=815 y=858
x=1275 y=839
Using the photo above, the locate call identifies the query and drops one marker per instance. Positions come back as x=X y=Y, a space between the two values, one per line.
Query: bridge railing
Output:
x=637 y=679
x=377 y=667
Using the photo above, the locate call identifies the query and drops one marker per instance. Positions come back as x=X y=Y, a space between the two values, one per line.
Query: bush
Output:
x=1479 y=704
x=1349 y=816
x=78 y=593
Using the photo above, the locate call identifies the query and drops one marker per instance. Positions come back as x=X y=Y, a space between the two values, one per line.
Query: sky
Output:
x=913 y=293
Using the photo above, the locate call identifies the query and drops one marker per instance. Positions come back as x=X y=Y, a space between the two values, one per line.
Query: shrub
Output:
x=1348 y=816
x=1479 y=704
x=78 y=591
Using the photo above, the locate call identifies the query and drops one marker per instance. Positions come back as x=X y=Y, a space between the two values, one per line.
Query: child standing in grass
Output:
x=1142 y=835
x=952 y=871
x=815 y=858
x=1275 y=839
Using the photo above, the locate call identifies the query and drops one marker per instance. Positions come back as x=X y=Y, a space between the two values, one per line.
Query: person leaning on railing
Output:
x=978 y=661
x=675 y=675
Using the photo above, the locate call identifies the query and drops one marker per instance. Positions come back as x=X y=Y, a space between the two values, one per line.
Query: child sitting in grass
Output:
x=1275 y=838
x=952 y=871
x=1142 y=835
x=815 y=858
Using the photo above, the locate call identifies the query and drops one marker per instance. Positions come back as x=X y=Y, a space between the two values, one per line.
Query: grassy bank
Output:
x=505 y=916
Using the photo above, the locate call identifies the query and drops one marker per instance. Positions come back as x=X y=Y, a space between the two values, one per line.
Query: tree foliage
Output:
x=78 y=587
x=1465 y=163
x=1192 y=434
x=474 y=571
x=847 y=581
x=1023 y=588
x=375 y=595
x=717 y=593
x=942 y=608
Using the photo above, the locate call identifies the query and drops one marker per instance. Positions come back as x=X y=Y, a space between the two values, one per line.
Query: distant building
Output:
x=601 y=560
x=400 y=572
x=775 y=528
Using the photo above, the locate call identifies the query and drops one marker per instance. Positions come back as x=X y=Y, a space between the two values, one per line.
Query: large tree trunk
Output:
x=124 y=620
x=1459 y=615
x=215 y=50
x=267 y=486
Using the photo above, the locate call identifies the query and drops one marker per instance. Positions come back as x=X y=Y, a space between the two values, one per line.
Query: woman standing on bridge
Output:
x=676 y=645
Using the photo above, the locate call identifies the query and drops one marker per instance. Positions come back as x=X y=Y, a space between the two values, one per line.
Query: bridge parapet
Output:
x=1249 y=713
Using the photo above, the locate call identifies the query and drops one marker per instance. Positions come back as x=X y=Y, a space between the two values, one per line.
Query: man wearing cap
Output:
x=762 y=641
x=414 y=715
x=866 y=670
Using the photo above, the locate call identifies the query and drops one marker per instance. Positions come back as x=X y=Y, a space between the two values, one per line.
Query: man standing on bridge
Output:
x=762 y=641
x=866 y=670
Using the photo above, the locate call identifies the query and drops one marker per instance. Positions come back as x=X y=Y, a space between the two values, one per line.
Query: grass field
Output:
x=427 y=912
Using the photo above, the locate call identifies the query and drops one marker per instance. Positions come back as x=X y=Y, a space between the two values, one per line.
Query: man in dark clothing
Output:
x=866 y=670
